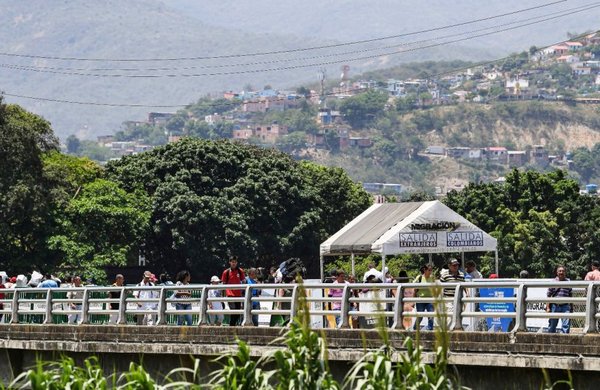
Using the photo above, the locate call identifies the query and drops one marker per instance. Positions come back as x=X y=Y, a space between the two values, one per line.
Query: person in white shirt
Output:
x=149 y=318
x=215 y=319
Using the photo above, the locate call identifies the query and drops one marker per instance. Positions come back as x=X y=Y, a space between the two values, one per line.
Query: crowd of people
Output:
x=181 y=298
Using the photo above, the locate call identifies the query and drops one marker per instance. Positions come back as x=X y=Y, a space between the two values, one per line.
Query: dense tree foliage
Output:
x=26 y=201
x=103 y=226
x=362 y=109
x=540 y=221
x=211 y=200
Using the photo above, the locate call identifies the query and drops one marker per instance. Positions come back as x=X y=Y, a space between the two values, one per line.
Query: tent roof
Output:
x=393 y=228
x=360 y=233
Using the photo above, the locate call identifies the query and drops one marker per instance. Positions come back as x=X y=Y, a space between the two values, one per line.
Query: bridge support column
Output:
x=591 y=324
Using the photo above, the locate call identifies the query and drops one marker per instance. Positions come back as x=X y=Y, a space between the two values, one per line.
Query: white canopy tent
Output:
x=410 y=227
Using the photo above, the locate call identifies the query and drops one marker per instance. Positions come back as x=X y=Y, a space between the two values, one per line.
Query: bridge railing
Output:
x=464 y=306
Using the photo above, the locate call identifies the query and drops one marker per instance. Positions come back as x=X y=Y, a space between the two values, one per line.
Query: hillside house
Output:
x=581 y=70
x=396 y=87
x=326 y=116
x=316 y=140
x=458 y=152
x=497 y=153
x=359 y=142
x=264 y=104
x=539 y=155
x=365 y=84
x=516 y=158
x=568 y=59
x=594 y=64
x=558 y=50
x=270 y=133
x=159 y=118
x=437 y=150
x=103 y=140
x=574 y=46
x=243 y=134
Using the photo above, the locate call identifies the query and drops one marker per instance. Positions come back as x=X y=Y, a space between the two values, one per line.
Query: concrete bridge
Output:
x=482 y=359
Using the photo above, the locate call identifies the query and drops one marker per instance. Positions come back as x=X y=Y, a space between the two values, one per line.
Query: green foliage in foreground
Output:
x=302 y=364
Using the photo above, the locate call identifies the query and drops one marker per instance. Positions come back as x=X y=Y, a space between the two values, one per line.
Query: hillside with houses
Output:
x=432 y=126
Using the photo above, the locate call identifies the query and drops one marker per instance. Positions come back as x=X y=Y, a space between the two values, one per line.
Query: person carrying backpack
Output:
x=234 y=275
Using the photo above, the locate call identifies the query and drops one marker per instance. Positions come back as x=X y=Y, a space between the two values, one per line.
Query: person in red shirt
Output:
x=233 y=275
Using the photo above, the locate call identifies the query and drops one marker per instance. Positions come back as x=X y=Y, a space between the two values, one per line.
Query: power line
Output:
x=455 y=70
x=238 y=55
x=297 y=66
x=161 y=69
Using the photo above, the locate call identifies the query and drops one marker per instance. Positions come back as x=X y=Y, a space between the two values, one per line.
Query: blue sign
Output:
x=497 y=324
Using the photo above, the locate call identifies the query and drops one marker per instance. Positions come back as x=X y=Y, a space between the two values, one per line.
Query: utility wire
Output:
x=455 y=70
x=161 y=69
x=48 y=57
x=297 y=66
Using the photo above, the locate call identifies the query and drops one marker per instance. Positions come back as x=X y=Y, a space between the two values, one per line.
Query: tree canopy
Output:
x=540 y=220
x=211 y=200
x=26 y=217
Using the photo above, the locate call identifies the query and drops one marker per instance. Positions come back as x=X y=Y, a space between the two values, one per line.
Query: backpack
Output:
x=291 y=268
x=240 y=273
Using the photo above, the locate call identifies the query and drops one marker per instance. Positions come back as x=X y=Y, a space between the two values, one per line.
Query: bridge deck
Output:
x=552 y=351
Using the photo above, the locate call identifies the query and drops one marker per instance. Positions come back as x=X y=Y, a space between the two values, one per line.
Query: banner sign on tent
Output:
x=464 y=239
x=418 y=240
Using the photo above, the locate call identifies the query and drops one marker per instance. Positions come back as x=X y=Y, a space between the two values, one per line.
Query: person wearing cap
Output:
x=149 y=318
x=215 y=319
x=452 y=274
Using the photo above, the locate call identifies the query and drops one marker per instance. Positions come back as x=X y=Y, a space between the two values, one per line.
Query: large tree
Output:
x=364 y=108
x=215 y=199
x=539 y=219
x=26 y=200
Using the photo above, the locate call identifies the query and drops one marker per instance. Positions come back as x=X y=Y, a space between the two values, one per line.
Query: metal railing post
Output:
x=84 y=307
x=15 y=308
x=294 y=303
x=48 y=315
x=247 y=307
x=456 y=323
x=590 y=310
x=345 y=309
x=122 y=318
x=162 y=308
x=203 y=319
x=399 y=309
x=521 y=309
